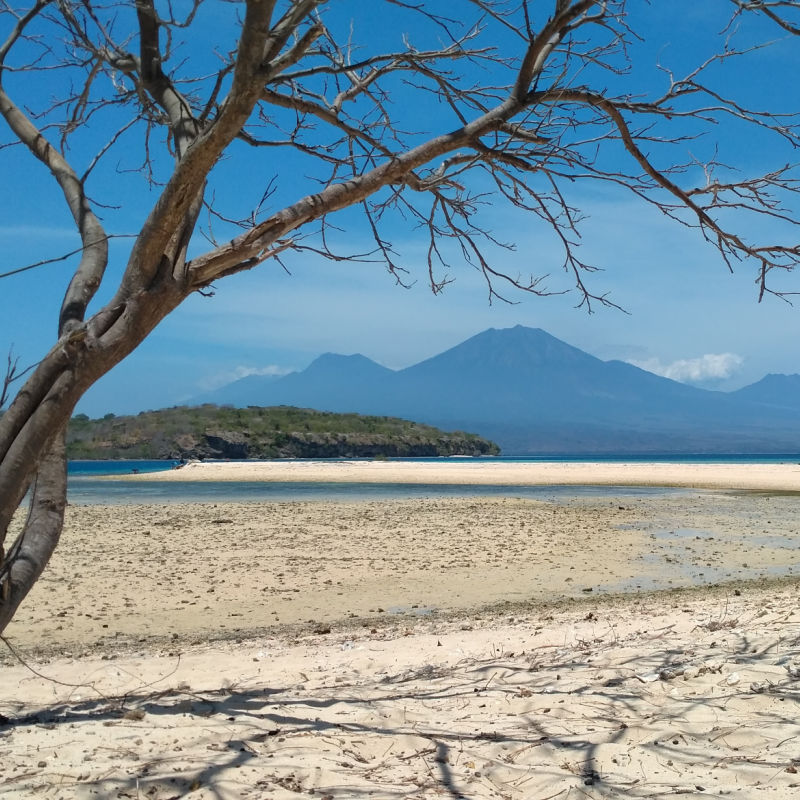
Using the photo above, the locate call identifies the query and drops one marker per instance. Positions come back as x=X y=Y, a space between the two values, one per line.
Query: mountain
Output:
x=524 y=373
x=237 y=392
x=778 y=391
x=335 y=377
x=533 y=393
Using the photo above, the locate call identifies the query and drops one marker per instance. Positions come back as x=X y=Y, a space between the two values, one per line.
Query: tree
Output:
x=531 y=96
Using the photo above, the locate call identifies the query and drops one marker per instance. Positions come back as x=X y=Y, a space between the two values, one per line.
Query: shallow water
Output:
x=90 y=491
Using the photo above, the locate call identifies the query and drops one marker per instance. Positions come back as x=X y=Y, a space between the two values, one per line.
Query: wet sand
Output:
x=463 y=647
x=204 y=571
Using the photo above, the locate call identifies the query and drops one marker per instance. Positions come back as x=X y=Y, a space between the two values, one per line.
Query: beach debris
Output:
x=690 y=672
x=733 y=679
x=671 y=672
x=793 y=670
x=290 y=782
x=425 y=672
x=716 y=625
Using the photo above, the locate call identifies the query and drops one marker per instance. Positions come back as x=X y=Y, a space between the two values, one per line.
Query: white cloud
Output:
x=709 y=367
x=237 y=373
x=272 y=369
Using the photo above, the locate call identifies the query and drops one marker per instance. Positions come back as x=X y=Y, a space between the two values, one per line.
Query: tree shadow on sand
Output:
x=597 y=720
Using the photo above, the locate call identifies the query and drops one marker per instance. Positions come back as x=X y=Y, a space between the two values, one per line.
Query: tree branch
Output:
x=94 y=256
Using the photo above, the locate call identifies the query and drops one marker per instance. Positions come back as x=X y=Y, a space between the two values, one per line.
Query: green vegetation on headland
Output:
x=279 y=432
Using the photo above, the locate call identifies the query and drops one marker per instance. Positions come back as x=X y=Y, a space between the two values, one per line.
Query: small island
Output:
x=210 y=431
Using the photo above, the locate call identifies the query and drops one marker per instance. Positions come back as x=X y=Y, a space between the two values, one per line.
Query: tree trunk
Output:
x=32 y=550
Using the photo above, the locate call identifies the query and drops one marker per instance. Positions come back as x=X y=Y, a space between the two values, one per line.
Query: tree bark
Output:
x=31 y=551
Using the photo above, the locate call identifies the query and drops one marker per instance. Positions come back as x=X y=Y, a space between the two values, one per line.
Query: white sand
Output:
x=757 y=477
x=651 y=699
x=245 y=650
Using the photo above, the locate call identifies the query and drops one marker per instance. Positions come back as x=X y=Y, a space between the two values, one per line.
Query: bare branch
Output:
x=494 y=105
x=12 y=375
x=774 y=9
x=89 y=273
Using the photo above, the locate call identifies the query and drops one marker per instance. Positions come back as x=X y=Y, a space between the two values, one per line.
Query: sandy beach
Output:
x=481 y=647
x=755 y=477
x=652 y=699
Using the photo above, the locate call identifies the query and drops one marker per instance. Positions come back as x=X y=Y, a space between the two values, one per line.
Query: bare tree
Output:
x=533 y=97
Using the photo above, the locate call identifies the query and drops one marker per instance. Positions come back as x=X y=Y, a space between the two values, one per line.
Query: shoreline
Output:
x=783 y=477
x=465 y=647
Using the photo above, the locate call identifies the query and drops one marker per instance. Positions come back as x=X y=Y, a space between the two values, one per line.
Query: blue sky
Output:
x=686 y=315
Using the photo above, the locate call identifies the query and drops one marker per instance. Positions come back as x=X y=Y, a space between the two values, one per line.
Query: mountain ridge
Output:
x=776 y=389
x=532 y=392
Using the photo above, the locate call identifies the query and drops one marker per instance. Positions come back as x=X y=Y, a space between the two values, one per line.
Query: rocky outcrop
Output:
x=315 y=445
x=208 y=432
x=227 y=444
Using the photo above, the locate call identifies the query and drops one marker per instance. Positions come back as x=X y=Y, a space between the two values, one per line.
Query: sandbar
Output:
x=783 y=477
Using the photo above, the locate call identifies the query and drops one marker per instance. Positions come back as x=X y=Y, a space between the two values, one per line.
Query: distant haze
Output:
x=533 y=393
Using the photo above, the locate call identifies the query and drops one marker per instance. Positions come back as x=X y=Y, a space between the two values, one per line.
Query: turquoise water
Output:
x=85 y=491
x=89 y=468
x=85 y=488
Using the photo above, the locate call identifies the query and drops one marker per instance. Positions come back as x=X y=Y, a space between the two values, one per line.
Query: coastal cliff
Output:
x=279 y=432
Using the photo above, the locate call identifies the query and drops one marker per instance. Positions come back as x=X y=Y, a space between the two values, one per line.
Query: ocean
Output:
x=85 y=487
